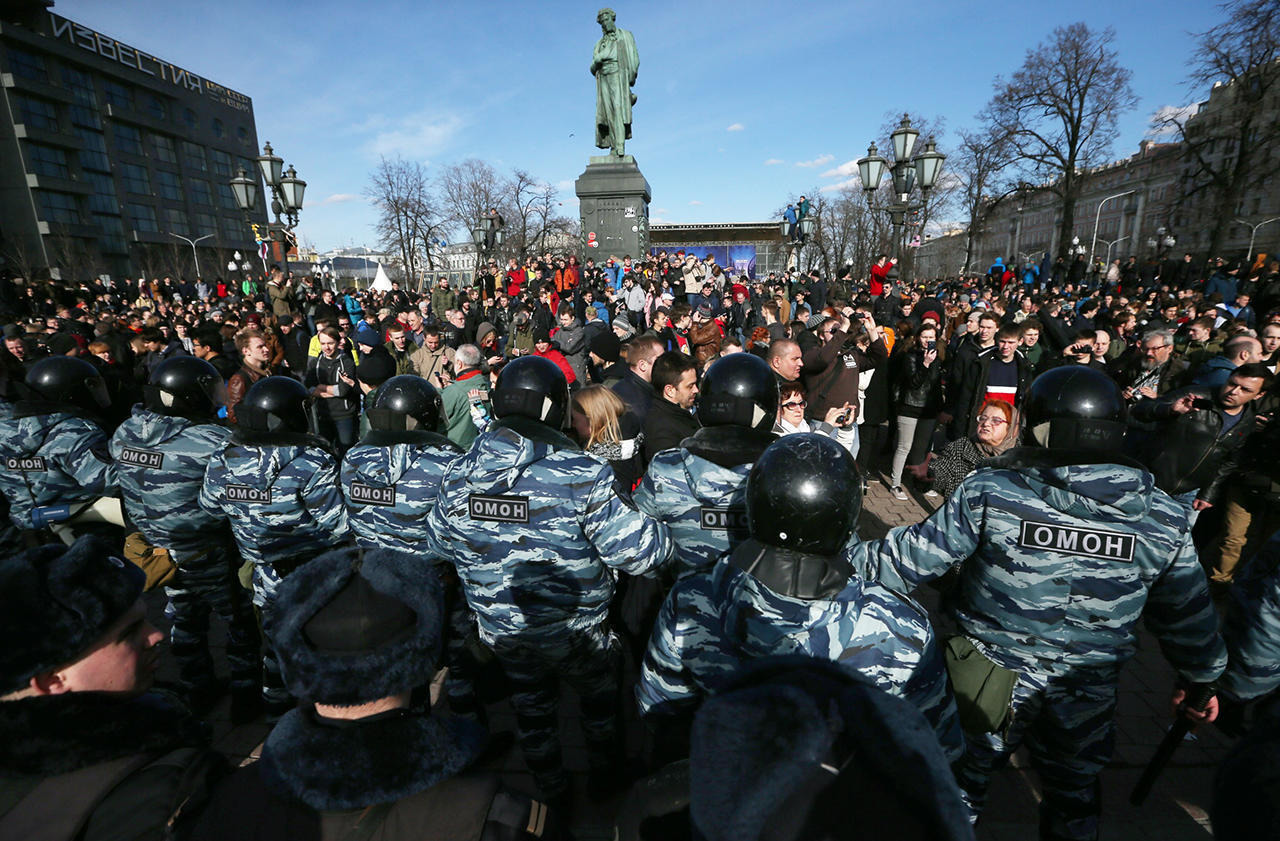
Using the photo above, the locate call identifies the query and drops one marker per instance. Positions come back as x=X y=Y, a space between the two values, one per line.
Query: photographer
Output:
x=850 y=345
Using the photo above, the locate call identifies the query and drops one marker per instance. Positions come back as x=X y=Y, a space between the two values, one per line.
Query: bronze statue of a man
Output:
x=614 y=64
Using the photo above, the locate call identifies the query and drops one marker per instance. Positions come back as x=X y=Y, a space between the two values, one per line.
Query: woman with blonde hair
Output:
x=598 y=417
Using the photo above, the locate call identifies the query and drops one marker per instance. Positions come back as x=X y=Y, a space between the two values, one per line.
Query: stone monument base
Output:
x=613 y=202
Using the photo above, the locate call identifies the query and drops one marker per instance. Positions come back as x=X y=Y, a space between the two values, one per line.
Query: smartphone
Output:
x=1202 y=403
x=842 y=418
x=932 y=346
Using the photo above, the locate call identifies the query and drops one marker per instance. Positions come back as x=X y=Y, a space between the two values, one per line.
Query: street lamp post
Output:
x=1253 y=231
x=286 y=197
x=487 y=235
x=1097 y=217
x=798 y=235
x=1161 y=242
x=1111 y=243
x=192 y=243
x=907 y=173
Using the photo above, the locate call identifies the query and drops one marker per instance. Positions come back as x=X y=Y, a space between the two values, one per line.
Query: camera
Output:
x=842 y=418
x=1202 y=403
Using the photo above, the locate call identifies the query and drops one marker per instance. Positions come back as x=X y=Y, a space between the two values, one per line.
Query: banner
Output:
x=736 y=260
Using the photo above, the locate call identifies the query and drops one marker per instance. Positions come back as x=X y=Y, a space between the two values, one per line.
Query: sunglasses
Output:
x=795 y=404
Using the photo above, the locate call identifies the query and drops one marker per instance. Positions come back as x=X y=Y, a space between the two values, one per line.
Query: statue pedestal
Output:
x=614 y=205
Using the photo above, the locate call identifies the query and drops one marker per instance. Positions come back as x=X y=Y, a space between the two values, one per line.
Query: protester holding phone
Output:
x=838 y=423
x=917 y=384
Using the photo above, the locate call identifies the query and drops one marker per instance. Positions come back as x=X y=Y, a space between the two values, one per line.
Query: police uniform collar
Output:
x=38 y=408
x=536 y=431
x=1019 y=458
x=729 y=446
x=798 y=575
x=280 y=439
x=414 y=437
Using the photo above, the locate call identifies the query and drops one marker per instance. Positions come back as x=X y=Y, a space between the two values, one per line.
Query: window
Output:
x=117 y=94
x=219 y=130
x=221 y=164
x=189 y=117
x=232 y=230
x=143 y=218
x=135 y=179
x=93 y=150
x=37 y=113
x=206 y=224
x=250 y=168
x=103 y=199
x=199 y=191
x=242 y=134
x=28 y=65
x=80 y=85
x=47 y=161
x=176 y=220
x=169 y=185
x=82 y=115
x=226 y=198
x=165 y=149
x=127 y=139
x=193 y=154
x=157 y=107
x=112 y=239
x=58 y=207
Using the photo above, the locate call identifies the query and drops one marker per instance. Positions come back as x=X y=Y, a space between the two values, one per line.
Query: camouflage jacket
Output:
x=52 y=457
x=390 y=481
x=714 y=621
x=532 y=524
x=699 y=491
x=161 y=462
x=1252 y=626
x=280 y=493
x=1058 y=558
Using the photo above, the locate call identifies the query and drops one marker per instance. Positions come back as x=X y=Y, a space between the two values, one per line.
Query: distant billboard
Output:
x=737 y=260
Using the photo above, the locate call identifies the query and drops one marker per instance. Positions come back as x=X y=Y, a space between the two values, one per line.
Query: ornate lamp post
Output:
x=1162 y=242
x=487 y=235
x=807 y=225
x=906 y=172
x=286 y=189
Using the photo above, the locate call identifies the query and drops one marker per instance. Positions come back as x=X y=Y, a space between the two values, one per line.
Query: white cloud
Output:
x=736 y=127
x=662 y=211
x=1162 y=121
x=840 y=185
x=340 y=198
x=695 y=203
x=564 y=185
x=415 y=135
x=818 y=161
x=774 y=162
x=848 y=169
x=658 y=220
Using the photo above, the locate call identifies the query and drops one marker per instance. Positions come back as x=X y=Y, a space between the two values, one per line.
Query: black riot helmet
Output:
x=185 y=385
x=66 y=379
x=532 y=387
x=274 y=404
x=404 y=397
x=1076 y=407
x=804 y=494
x=738 y=390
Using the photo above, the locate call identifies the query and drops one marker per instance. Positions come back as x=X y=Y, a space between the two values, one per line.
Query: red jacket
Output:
x=515 y=279
x=878 y=276
x=558 y=358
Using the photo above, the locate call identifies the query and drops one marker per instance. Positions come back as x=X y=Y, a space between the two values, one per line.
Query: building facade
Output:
x=114 y=161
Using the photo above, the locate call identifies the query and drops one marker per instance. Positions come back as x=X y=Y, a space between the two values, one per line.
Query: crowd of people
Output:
x=639 y=473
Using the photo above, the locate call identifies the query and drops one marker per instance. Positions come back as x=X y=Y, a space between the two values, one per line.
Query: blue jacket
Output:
x=389 y=482
x=53 y=457
x=1058 y=559
x=534 y=528
x=161 y=463
x=1252 y=626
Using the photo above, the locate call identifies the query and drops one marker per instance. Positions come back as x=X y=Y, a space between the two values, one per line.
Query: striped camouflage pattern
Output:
x=77 y=464
x=304 y=515
x=161 y=497
x=1252 y=626
x=713 y=622
x=539 y=578
x=680 y=489
x=1061 y=610
x=409 y=474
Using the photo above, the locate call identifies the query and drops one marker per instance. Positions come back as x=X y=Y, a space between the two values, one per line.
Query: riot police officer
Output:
x=57 y=471
x=697 y=489
x=786 y=590
x=161 y=452
x=532 y=524
x=278 y=485
x=1060 y=547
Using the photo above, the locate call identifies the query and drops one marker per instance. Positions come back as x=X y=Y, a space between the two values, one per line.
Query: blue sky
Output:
x=740 y=103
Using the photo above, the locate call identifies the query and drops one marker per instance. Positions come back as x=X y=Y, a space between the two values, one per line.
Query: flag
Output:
x=262 y=250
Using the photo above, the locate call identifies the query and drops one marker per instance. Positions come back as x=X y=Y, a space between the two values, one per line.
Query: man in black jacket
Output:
x=85 y=751
x=1197 y=434
x=670 y=419
x=1000 y=372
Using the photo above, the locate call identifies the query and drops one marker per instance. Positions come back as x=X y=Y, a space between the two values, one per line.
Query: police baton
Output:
x=1198 y=697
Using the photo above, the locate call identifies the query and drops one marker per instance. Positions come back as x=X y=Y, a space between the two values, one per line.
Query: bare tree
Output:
x=409 y=219
x=21 y=260
x=1228 y=153
x=981 y=157
x=1059 y=111
x=469 y=189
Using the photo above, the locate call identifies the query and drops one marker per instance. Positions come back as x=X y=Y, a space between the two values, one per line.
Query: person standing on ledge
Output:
x=614 y=64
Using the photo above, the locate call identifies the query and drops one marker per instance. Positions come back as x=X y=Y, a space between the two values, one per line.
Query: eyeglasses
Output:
x=795 y=404
x=1154 y=348
x=985 y=421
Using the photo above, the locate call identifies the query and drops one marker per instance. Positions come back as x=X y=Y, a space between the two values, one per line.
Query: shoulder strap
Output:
x=57 y=808
x=368 y=822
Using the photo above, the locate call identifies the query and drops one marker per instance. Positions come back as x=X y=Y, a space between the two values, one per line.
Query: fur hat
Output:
x=55 y=602
x=606 y=345
x=356 y=625
x=799 y=742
